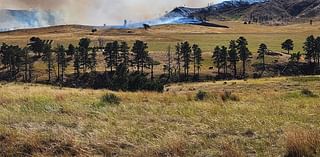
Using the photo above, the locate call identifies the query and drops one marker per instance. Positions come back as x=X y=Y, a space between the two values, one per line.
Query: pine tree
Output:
x=84 y=53
x=287 y=45
x=216 y=58
x=140 y=55
x=62 y=62
x=244 y=53
x=108 y=56
x=186 y=58
x=178 y=59
x=317 y=50
x=93 y=59
x=233 y=57
x=124 y=54
x=197 y=59
x=169 y=61
x=309 y=48
x=261 y=54
x=76 y=63
x=48 y=58
x=71 y=50
x=224 y=60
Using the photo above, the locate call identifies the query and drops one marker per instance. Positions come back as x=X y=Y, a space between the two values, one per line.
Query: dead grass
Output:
x=302 y=142
x=41 y=120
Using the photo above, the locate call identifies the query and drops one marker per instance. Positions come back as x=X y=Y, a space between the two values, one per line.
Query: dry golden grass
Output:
x=39 y=120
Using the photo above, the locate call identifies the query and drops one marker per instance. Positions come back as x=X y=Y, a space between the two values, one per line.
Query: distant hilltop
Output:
x=262 y=11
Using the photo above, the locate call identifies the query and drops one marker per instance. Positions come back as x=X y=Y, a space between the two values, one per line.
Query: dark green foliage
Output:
x=224 y=59
x=62 y=62
x=217 y=58
x=287 y=45
x=71 y=50
x=124 y=54
x=111 y=99
x=197 y=59
x=295 y=57
x=92 y=63
x=140 y=55
x=120 y=79
x=309 y=48
x=244 y=53
x=201 y=95
x=233 y=57
x=84 y=53
x=48 y=58
x=186 y=58
x=37 y=45
x=178 y=60
x=261 y=54
x=76 y=63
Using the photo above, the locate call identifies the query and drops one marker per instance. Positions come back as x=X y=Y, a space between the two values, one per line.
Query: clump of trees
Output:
x=125 y=68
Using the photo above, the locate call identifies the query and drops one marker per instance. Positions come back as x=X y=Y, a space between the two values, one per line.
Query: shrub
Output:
x=308 y=93
x=201 y=95
x=302 y=142
x=111 y=99
x=227 y=95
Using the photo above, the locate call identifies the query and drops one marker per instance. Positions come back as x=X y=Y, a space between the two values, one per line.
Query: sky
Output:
x=99 y=12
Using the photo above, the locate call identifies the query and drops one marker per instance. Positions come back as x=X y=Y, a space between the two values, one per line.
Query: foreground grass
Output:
x=271 y=118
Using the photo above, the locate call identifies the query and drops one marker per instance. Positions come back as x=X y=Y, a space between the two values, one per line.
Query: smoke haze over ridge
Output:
x=98 y=12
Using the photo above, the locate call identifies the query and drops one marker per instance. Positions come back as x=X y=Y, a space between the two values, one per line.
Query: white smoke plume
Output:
x=99 y=12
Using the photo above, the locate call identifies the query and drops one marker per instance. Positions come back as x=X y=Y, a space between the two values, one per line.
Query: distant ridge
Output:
x=262 y=11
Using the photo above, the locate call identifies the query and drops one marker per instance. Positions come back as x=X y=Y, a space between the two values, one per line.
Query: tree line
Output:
x=132 y=68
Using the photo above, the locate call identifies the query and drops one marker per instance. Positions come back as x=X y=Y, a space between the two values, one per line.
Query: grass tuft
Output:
x=227 y=95
x=302 y=142
x=201 y=95
x=110 y=99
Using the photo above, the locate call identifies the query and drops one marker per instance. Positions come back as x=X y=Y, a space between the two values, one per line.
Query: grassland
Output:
x=271 y=117
x=160 y=37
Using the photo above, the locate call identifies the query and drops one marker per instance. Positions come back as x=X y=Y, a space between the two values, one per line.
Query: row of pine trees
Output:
x=120 y=60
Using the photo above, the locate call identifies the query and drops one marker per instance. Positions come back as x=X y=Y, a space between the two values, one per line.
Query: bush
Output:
x=302 y=142
x=201 y=95
x=308 y=93
x=111 y=99
x=227 y=95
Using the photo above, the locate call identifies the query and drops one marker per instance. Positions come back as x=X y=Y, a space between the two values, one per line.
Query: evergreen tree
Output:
x=244 y=53
x=178 y=59
x=309 y=48
x=48 y=58
x=317 y=50
x=295 y=57
x=287 y=45
x=140 y=55
x=28 y=65
x=186 y=58
x=216 y=58
x=124 y=54
x=84 y=53
x=121 y=78
x=71 y=50
x=169 y=61
x=108 y=56
x=76 y=63
x=93 y=59
x=37 y=45
x=197 y=53
x=224 y=59
x=62 y=62
x=233 y=57
x=261 y=54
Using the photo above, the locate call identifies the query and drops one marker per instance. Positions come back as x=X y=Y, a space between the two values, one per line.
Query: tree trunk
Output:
x=244 y=68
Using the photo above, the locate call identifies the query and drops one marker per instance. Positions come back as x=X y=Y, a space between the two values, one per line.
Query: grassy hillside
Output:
x=265 y=117
x=160 y=37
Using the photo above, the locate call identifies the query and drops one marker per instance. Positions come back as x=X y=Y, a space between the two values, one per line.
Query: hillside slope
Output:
x=257 y=10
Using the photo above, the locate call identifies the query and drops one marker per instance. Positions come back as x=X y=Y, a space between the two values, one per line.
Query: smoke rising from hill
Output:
x=98 y=12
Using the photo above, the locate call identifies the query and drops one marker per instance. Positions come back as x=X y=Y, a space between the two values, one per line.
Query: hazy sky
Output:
x=99 y=12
